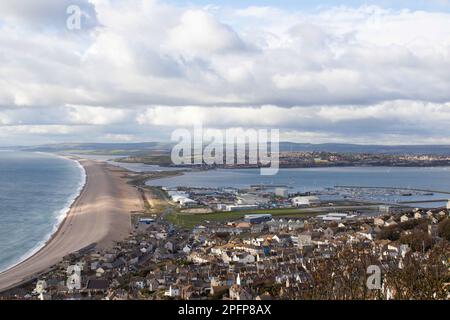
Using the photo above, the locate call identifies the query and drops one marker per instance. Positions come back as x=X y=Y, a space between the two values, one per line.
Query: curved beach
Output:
x=101 y=215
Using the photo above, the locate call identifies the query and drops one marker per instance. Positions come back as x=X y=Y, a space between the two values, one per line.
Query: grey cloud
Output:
x=44 y=14
x=335 y=72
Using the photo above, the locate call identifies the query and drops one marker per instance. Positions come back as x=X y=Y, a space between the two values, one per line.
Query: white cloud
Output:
x=119 y=137
x=199 y=33
x=417 y=115
x=387 y=122
x=37 y=129
x=331 y=71
x=96 y=115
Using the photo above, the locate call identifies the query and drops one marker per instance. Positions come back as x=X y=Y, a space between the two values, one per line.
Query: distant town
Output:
x=292 y=155
x=318 y=159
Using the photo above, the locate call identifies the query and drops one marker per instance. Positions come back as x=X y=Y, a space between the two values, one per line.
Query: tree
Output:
x=417 y=240
x=421 y=277
x=389 y=233
x=444 y=229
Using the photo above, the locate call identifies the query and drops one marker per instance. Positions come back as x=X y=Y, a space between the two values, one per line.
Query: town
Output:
x=305 y=159
x=222 y=244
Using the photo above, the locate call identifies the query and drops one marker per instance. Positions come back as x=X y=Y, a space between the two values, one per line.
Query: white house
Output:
x=378 y=222
x=169 y=246
x=187 y=249
x=41 y=287
x=99 y=272
x=196 y=258
x=404 y=218
x=304 y=239
x=74 y=282
x=244 y=258
x=366 y=235
x=404 y=249
x=390 y=222
x=225 y=257
x=74 y=278
x=172 y=292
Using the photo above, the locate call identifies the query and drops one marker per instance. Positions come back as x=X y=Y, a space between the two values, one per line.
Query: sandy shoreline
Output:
x=59 y=224
x=100 y=214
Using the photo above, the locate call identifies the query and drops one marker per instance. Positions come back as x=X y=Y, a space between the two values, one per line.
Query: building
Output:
x=186 y=202
x=448 y=205
x=182 y=198
x=281 y=192
x=384 y=209
x=146 y=220
x=172 y=292
x=41 y=287
x=257 y=218
x=97 y=286
x=305 y=201
x=304 y=239
x=335 y=216
x=240 y=207
x=250 y=199
x=378 y=222
x=73 y=278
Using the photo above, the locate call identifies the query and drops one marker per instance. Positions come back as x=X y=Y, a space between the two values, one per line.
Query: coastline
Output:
x=100 y=214
x=64 y=212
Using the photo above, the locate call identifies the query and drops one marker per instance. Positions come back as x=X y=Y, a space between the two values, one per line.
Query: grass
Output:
x=162 y=159
x=189 y=221
x=139 y=179
x=158 y=202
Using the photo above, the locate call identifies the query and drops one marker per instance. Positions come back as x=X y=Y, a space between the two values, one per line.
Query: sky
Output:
x=369 y=72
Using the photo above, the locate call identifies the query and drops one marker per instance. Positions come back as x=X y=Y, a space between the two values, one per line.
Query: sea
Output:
x=36 y=192
x=325 y=181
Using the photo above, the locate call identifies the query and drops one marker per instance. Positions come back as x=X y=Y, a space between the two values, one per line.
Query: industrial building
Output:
x=257 y=218
x=146 y=220
x=335 y=216
x=182 y=198
x=240 y=207
x=281 y=192
x=305 y=201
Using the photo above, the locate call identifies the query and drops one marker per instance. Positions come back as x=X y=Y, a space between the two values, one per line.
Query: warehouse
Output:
x=257 y=218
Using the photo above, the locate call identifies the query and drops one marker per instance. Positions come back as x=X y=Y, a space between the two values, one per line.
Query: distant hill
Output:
x=356 y=148
x=165 y=147
x=104 y=148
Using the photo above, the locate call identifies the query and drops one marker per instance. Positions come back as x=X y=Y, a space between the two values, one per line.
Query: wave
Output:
x=60 y=216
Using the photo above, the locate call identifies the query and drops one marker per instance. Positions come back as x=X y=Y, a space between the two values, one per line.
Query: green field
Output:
x=192 y=220
x=159 y=159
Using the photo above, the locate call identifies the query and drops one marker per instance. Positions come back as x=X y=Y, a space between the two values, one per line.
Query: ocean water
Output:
x=36 y=191
x=318 y=179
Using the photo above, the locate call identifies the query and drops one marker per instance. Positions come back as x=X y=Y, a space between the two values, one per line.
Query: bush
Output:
x=417 y=240
x=389 y=233
x=444 y=229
